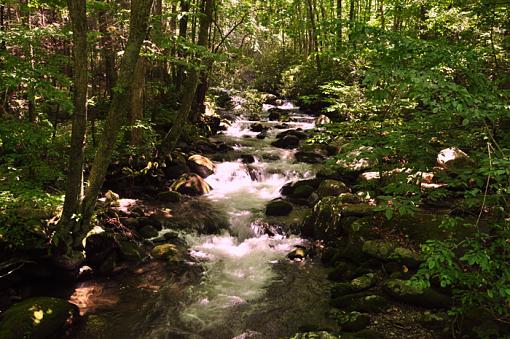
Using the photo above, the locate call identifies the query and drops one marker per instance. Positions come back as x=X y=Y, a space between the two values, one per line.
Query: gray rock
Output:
x=332 y=188
x=278 y=208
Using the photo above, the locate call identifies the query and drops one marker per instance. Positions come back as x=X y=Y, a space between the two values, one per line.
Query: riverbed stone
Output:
x=129 y=250
x=372 y=303
x=287 y=142
x=164 y=251
x=201 y=165
x=257 y=127
x=278 y=208
x=402 y=290
x=405 y=256
x=297 y=253
x=332 y=188
x=40 y=317
x=191 y=184
x=294 y=132
x=324 y=221
x=98 y=246
x=357 y=210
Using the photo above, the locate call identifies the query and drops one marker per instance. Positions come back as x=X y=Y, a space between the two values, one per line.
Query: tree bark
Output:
x=74 y=190
x=140 y=11
x=339 y=23
x=137 y=101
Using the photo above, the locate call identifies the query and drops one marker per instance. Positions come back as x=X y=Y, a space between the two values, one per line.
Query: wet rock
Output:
x=109 y=264
x=169 y=196
x=290 y=187
x=379 y=249
x=41 y=317
x=331 y=188
x=294 y=132
x=343 y=270
x=302 y=192
x=201 y=165
x=269 y=98
x=274 y=114
x=191 y=184
x=297 y=253
x=261 y=135
x=352 y=321
x=148 y=232
x=322 y=120
x=309 y=157
x=401 y=290
x=287 y=142
x=281 y=126
x=278 y=208
x=247 y=159
x=453 y=159
x=258 y=127
x=199 y=216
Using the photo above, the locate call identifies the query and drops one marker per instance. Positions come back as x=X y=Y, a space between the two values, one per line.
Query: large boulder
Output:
x=175 y=166
x=287 y=142
x=191 y=184
x=402 y=290
x=358 y=284
x=324 y=222
x=37 y=318
x=99 y=245
x=201 y=165
x=332 y=188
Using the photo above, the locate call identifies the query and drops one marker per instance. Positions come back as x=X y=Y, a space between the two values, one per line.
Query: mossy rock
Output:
x=367 y=333
x=349 y=198
x=353 y=321
x=370 y=304
x=41 y=317
x=333 y=188
x=379 y=249
x=325 y=218
x=278 y=208
x=164 y=251
x=342 y=271
x=360 y=227
x=402 y=290
x=345 y=301
x=405 y=256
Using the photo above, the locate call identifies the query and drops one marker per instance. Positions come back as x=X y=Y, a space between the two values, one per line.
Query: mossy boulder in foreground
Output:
x=41 y=317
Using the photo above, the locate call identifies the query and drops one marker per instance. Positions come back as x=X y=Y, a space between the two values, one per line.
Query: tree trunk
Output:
x=190 y=84
x=140 y=11
x=137 y=96
x=74 y=190
x=339 y=23
x=183 y=27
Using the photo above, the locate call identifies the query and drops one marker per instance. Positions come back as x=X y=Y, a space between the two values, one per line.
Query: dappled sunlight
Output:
x=90 y=295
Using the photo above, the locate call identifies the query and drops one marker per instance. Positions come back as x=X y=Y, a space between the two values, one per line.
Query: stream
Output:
x=248 y=287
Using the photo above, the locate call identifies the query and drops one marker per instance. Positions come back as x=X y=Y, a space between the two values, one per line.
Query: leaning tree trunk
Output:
x=140 y=10
x=190 y=85
x=74 y=190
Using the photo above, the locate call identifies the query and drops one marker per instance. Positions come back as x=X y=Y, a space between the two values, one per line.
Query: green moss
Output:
x=40 y=317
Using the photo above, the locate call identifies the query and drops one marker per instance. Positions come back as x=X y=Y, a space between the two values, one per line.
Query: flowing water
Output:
x=248 y=288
